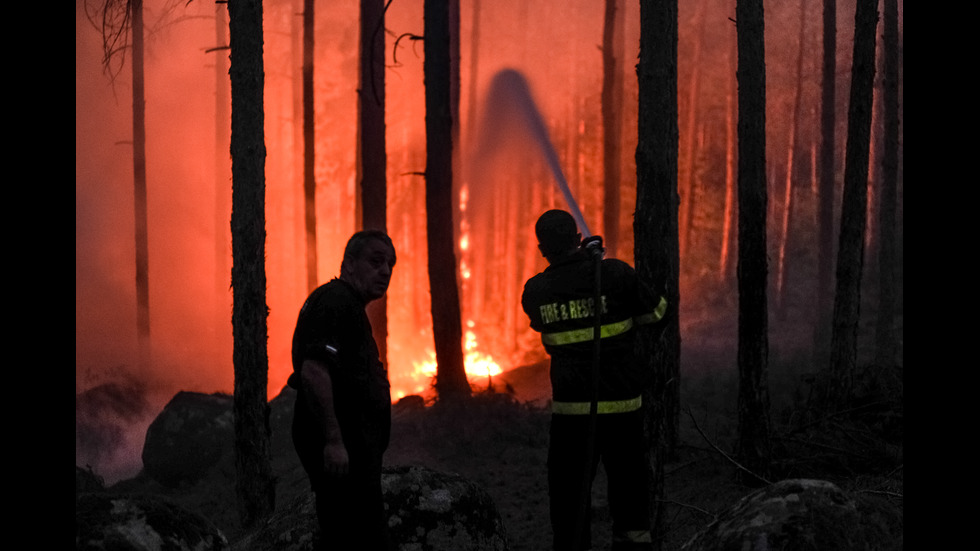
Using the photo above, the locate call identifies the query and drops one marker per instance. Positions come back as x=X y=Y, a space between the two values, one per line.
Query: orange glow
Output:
x=477 y=364
x=189 y=190
x=553 y=44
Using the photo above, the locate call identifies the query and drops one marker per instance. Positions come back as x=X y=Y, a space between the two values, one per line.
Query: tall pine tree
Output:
x=255 y=485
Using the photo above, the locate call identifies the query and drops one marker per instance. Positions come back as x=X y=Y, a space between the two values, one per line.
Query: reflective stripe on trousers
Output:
x=607 y=406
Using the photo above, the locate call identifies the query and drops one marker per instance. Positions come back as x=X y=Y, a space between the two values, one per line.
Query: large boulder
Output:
x=427 y=511
x=140 y=523
x=87 y=481
x=433 y=511
x=803 y=515
x=188 y=438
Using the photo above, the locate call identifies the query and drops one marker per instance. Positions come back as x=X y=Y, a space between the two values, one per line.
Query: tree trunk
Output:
x=611 y=116
x=256 y=485
x=446 y=326
x=474 y=218
x=222 y=182
x=373 y=159
x=850 y=253
x=827 y=190
x=727 y=240
x=753 y=338
x=139 y=188
x=794 y=124
x=656 y=247
x=885 y=337
x=309 y=146
x=687 y=179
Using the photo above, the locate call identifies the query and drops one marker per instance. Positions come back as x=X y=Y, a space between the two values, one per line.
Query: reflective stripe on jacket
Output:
x=605 y=331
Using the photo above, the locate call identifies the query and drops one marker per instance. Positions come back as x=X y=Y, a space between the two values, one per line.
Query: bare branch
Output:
x=394 y=50
x=723 y=454
x=883 y=493
x=688 y=506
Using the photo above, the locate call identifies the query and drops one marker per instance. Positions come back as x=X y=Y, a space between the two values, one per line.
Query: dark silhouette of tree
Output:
x=885 y=337
x=121 y=25
x=371 y=95
x=850 y=252
x=255 y=486
x=447 y=329
x=825 y=216
x=612 y=88
x=372 y=159
x=474 y=59
x=753 y=339
x=787 y=217
x=309 y=145
x=656 y=247
x=222 y=180
x=689 y=180
x=729 y=223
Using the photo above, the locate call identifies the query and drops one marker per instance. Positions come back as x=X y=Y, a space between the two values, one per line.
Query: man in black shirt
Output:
x=342 y=418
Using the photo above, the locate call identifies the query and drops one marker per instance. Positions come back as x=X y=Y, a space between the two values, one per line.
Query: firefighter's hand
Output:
x=335 y=459
x=594 y=245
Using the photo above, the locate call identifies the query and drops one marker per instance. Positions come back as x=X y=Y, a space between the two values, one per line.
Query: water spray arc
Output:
x=511 y=87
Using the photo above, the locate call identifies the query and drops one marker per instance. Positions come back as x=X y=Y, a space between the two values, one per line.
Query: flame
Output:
x=476 y=364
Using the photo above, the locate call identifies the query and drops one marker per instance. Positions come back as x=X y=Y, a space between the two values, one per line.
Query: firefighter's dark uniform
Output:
x=559 y=303
x=334 y=328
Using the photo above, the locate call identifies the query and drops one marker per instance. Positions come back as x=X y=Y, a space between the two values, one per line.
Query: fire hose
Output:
x=594 y=245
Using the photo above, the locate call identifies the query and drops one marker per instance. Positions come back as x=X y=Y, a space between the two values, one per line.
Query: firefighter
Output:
x=561 y=305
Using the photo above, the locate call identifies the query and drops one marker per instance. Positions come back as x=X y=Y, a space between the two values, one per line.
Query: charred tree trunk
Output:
x=787 y=214
x=474 y=66
x=309 y=145
x=446 y=326
x=827 y=189
x=885 y=337
x=222 y=181
x=656 y=246
x=753 y=337
x=256 y=485
x=850 y=253
x=473 y=217
x=139 y=187
x=727 y=240
x=373 y=160
x=687 y=184
x=611 y=116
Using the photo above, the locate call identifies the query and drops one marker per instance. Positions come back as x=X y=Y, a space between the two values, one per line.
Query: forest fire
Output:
x=479 y=367
x=189 y=184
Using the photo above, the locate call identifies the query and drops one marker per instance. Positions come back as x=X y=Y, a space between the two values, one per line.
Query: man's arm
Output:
x=318 y=388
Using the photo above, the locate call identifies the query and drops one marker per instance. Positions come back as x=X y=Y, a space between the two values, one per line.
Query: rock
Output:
x=433 y=511
x=106 y=417
x=87 y=481
x=188 y=437
x=292 y=527
x=412 y=402
x=803 y=515
x=427 y=511
x=140 y=523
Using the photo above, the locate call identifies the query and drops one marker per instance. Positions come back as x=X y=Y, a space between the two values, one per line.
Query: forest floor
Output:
x=501 y=444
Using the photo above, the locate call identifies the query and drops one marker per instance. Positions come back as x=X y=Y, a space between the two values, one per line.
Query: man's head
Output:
x=368 y=261
x=557 y=233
